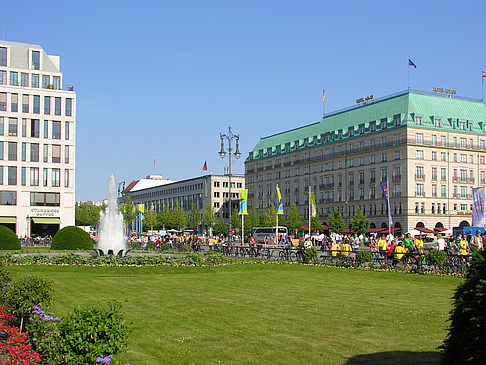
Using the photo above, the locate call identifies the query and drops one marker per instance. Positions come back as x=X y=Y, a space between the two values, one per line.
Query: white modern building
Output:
x=37 y=141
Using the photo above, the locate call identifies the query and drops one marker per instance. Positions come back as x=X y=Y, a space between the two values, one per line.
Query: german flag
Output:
x=205 y=166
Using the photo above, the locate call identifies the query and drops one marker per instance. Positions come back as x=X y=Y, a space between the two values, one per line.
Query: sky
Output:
x=161 y=79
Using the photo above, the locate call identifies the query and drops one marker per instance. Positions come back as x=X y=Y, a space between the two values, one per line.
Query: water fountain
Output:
x=111 y=237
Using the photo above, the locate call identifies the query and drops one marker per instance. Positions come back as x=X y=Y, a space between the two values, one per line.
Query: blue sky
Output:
x=159 y=78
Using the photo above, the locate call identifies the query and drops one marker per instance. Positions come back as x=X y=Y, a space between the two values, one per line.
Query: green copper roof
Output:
x=394 y=111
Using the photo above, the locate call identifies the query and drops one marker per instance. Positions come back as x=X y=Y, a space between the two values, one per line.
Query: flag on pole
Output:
x=141 y=211
x=384 y=188
x=313 y=205
x=478 y=213
x=205 y=166
x=280 y=203
x=243 y=197
x=154 y=162
x=410 y=63
x=323 y=95
x=484 y=73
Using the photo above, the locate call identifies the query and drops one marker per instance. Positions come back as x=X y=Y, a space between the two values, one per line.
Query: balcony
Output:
x=419 y=176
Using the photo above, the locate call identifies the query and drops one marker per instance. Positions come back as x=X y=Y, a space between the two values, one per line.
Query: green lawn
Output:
x=265 y=314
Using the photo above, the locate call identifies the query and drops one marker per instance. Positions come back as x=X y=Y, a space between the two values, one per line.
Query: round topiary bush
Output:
x=71 y=238
x=8 y=239
x=363 y=257
x=466 y=342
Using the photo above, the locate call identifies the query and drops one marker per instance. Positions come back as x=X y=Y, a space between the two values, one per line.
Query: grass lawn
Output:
x=265 y=314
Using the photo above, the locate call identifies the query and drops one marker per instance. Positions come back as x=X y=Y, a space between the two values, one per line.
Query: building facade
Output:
x=430 y=147
x=37 y=141
x=201 y=191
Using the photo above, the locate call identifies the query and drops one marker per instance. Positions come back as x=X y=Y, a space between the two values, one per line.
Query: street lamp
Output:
x=229 y=137
x=27 y=218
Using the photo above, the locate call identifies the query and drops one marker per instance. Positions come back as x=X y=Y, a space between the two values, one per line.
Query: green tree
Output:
x=359 y=222
x=271 y=216
x=251 y=220
x=209 y=217
x=127 y=209
x=151 y=218
x=178 y=217
x=336 y=223
x=236 y=220
x=220 y=227
x=193 y=218
x=316 y=225
x=164 y=218
x=293 y=220
x=88 y=214
x=262 y=221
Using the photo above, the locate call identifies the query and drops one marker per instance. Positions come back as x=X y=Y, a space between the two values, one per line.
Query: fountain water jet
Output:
x=111 y=237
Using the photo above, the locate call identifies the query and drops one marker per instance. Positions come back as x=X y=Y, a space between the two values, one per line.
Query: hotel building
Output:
x=37 y=141
x=429 y=146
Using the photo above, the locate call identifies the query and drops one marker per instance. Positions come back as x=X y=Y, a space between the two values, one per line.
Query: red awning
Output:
x=391 y=230
x=374 y=230
x=348 y=231
x=305 y=226
x=425 y=230
x=440 y=229
x=324 y=227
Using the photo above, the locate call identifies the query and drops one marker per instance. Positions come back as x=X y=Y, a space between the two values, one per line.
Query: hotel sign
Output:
x=362 y=100
x=44 y=212
x=441 y=90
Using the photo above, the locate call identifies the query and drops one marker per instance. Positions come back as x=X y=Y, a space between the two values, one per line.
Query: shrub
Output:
x=150 y=245
x=435 y=257
x=92 y=332
x=466 y=342
x=8 y=239
x=135 y=245
x=185 y=248
x=363 y=257
x=24 y=294
x=164 y=247
x=71 y=238
x=310 y=255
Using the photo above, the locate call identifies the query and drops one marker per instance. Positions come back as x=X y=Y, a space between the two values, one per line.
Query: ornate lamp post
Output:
x=229 y=137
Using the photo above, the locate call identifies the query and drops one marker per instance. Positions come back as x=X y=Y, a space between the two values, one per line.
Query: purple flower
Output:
x=106 y=360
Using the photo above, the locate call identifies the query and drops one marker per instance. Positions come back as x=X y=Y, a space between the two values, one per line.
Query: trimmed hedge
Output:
x=466 y=342
x=8 y=239
x=71 y=238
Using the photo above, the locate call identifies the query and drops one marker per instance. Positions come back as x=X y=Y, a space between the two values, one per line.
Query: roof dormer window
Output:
x=35 y=60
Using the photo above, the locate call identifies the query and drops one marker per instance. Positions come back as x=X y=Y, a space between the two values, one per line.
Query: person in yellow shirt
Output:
x=464 y=247
x=382 y=246
x=345 y=249
x=419 y=243
x=399 y=252
x=335 y=249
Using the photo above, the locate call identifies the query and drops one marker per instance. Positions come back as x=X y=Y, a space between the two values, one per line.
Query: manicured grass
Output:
x=265 y=314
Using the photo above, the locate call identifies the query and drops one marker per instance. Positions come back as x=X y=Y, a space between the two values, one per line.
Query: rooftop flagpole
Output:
x=410 y=63
x=323 y=100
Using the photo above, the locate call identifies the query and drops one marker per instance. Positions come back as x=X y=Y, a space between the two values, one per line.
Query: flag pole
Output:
x=323 y=102
x=482 y=88
x=389 y=207
x=409 y=76
x=276 y=211
x=310 y=211
x=243 y=229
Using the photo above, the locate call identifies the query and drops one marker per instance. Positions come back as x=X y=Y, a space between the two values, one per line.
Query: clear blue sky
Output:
x=160 y=78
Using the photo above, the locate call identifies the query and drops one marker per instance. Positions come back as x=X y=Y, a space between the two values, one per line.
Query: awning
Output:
x=440 y=229
x=324 y=227
x=42 y=220
x=8 y=220
x=375 y=230
x=425 y=230
x=305 y=226
x=348 y=231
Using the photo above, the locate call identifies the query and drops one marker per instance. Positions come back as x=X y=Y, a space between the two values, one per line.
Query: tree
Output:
x=359 y=222
x=88 y=214
x=262 y=222
x=178 y=217
x=236 y=220
x=151 y=218
x=293 y=220
x=271 y=216
x=220 y=227
x=209 y=217
x=128 y=211
x=193 y=218
x=164 y=218
x=251 y=220
x=336 y=223
x=316 y=225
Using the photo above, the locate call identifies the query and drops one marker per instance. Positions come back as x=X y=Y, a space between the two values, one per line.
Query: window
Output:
x=397 y=155
x=66 y=135
x=483 y=177
x=443 y=174
x=383 y=141
x=419 y=138
x=3 y=102
x=35 y=81
x=463 y=157
x=12 y=127
x=463 y=142
x=34 y=176
x=397 y=139
x=14 y=103
x=46 y=153
x=419 y=172
x=35 y=60
x=24 y=151
x=442 y=140
x=419 y=155
x=69 y=107
x=443 y=191
x=3 y=56
x=397 y=120
x=56 y=131
x=1 y=126
x=34 y=152
x=3 y=77
x=372 y=176
x=434 y=156
x=46 y=129
x=351 y=162
x=46 y=81
x=25 y=103
x=14 y=78
x=57 y=106
x=22 y=176
x=66 y=178
x=418 y=120
x=481 y=144
x=384 y=175
x=34 y=128
x=384 y=123
x=372 y=144
x=372 y=159
x=420 y=190
x=437 y=122
x=45 y=199
x=36 y=108
x=1 y=150
x=55 y=177
x=383 y=157
x=47 y=105
x=12 y=151
x=44 y=177
x=434 y=173
x=443 y=156
x=24 y=80
x=12 y=175
x=434 y=140
x=24 y=127
x=8 y=197
x=56 y=82
x=481 y=160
